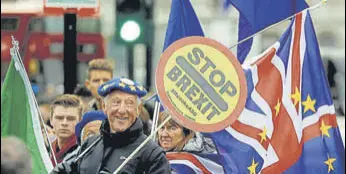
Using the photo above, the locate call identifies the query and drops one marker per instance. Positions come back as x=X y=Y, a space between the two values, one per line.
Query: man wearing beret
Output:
x=121 y=134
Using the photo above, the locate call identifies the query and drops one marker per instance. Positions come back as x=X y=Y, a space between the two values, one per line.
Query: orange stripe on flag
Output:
x=250 y=132
x=314 y=131
x=296 y=56
x=285 y=143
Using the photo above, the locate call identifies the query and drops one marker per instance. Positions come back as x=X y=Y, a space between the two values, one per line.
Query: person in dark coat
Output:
x=121 y=134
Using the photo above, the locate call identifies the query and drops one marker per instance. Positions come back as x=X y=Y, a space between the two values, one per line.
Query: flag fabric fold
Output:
x=19 y=114
x=256 y=15
x=182 y=22
x=183 y=162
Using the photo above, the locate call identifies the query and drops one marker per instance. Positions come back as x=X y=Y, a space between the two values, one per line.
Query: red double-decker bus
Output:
x=41 y=42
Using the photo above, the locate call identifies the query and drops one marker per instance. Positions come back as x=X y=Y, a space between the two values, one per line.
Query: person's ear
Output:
x=51 y=117
x=52 y=122
x=87 y=83
x=139 y=109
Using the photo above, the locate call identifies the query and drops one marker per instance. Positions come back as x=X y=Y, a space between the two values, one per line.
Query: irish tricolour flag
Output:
x=19 y=114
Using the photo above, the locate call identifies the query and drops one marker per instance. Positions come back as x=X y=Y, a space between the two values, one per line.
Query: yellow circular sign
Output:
x=201 y=83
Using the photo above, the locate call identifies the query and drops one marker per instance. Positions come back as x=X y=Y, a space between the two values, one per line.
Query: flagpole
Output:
x=280 y=22
x=31 y=94
x=155 y=118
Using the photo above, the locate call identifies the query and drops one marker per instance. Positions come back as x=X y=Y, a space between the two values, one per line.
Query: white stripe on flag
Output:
x=264 y=106
x=210 y=165
x=248 y=140
x=187 y=163
x=287 y=83
x=253 y=119
x=302 y=46
x=271 y=157
x=302 y=42
x=321 y=111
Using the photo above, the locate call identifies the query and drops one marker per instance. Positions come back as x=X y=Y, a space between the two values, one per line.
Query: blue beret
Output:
x=122 y=84
x=87 y=118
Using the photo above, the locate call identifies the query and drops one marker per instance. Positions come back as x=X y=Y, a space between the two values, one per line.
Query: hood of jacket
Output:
x=200 y=144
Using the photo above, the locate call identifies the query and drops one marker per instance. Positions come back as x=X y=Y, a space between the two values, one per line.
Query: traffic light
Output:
x=131 y=22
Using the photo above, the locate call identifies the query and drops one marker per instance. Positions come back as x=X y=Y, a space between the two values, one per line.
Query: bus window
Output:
x=36 y=25
x=9 y=24
x=54 y=24
x=87 y=48
x=88 y=25
x=53 y=71
x=56 y=48
x=82 y=69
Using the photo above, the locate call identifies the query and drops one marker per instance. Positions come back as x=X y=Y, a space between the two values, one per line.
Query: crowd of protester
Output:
x=95 y=129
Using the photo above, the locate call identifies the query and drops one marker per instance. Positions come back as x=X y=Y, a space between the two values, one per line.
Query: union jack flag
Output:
x=289 y=123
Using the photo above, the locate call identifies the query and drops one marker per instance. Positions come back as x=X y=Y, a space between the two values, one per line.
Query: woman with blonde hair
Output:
x=173 y=137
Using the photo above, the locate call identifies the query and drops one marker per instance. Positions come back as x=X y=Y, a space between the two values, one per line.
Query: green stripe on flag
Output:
x=19 y=115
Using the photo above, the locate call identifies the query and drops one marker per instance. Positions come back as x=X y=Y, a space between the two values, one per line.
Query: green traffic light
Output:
x=131 y=28
x=130 y=31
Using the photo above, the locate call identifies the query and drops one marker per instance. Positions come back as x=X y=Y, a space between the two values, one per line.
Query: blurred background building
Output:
x=41 y=39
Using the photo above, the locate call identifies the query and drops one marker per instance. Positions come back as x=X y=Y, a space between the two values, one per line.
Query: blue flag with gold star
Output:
x=322 y=150
x=289 y=123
